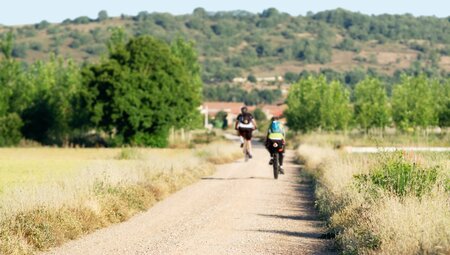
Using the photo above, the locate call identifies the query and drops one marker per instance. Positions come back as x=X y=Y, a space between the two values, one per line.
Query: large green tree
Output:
x=413 y=103
x=303 y=113
x=335 y=110
x=13 y=93
x=50 y=116
x=371 y=104
x=142 y=90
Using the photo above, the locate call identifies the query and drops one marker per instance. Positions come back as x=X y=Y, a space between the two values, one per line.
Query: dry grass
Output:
x=55 y=202
x=391 y=138
x=371 y=220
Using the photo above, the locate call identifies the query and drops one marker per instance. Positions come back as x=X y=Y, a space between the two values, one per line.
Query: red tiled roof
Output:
x=275 y=110
x=230 y=107
x=235 y=108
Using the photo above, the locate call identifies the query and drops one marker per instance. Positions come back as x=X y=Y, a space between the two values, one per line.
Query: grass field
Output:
x=387 y=203
x=50 y=195
x=392 y=138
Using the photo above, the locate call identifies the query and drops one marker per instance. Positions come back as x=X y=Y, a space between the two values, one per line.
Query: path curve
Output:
x=239 y=210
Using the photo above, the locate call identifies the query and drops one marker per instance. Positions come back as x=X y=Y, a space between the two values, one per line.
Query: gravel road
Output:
x=239 y=210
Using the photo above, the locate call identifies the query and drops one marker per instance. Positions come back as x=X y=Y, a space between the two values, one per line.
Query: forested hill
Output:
x=239 y=43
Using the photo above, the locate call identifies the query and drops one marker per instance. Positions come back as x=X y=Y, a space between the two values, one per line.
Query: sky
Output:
x=19 y=12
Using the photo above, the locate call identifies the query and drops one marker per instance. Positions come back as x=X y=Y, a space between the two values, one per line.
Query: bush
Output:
x=20 y=50
x=82 y=20
x=42 y=25
x=10 y=126
x=95 y=50
x=129 y=154
x=401 y=177
x=36 y=46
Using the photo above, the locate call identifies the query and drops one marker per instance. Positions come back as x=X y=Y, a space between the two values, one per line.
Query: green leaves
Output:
x=417 y=102
x=313 y=103
x=371 y=104
x=413 y=103
x=143 y=89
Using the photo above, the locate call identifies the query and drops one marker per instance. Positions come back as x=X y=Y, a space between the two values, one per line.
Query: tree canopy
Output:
x=143 y=89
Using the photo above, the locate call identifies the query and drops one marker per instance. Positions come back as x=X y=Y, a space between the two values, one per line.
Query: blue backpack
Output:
x=275 y=127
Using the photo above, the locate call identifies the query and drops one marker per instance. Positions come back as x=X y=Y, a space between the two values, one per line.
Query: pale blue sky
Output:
x=14 y=12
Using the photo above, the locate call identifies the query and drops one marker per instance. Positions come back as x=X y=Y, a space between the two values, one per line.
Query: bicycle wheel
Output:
x=276 y=165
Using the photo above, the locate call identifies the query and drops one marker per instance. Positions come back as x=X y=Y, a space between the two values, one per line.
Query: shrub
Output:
x=36 y=46
x=10 y=126
x=82 y=20
x=129 y=154
x=401 y=177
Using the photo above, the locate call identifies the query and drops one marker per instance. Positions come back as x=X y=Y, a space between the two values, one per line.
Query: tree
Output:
x=303 y=113
x=7 y=45
x=413 y=103
x=50 y=115
x=290 y=77
x=334 y=106
x=371 y=104
x=251 y=78
x=185 y=51
x=102 y=16
x=142 y=90
x=441 y=95
x=259 y=115
x=10 y=126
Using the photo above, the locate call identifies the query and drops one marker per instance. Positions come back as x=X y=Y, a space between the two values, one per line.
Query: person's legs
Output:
x=249 y=142
x=267 y=145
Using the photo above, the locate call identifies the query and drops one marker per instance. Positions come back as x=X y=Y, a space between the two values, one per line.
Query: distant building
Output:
x=239 y=80
x=273 y=110
x=269 y=79
x=233 y=109
x=259 y=79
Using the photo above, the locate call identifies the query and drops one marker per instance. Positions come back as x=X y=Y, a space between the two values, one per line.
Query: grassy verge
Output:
x=106 y=187
x=388 y=139
x=383 y=204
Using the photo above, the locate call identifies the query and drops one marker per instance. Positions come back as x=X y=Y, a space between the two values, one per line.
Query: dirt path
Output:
x=239 y=210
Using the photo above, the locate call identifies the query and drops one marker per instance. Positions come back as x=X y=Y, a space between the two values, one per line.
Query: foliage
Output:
x=251 y=78
x=259 y=115
x=102 y=16
x=142 y=90
x=234 y=42
x=10 y=126
x=315 y=104
x=413 y=103
x=398 y=175
x=382 y=203
x=335 y=111
x=371 y=104
x=50 y=116
x=417 y=102
x=230 y=93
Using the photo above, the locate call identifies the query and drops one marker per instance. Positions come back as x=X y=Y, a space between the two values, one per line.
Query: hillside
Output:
x=239 y=43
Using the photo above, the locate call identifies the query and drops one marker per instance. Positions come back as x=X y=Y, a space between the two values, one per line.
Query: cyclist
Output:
x=275 y=132
x=245 y=124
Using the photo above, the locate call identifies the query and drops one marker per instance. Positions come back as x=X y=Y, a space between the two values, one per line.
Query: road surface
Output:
x=239 y=210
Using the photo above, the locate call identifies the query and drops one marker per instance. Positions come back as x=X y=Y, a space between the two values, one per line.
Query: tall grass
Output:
x=338 y=140
x=110 y=187
x=383 y=204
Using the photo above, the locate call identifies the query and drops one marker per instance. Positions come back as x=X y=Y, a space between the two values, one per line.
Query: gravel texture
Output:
x=239 y=210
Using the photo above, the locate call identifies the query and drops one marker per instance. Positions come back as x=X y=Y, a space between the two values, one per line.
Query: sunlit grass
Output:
x=387 y=203
x=53 y=195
